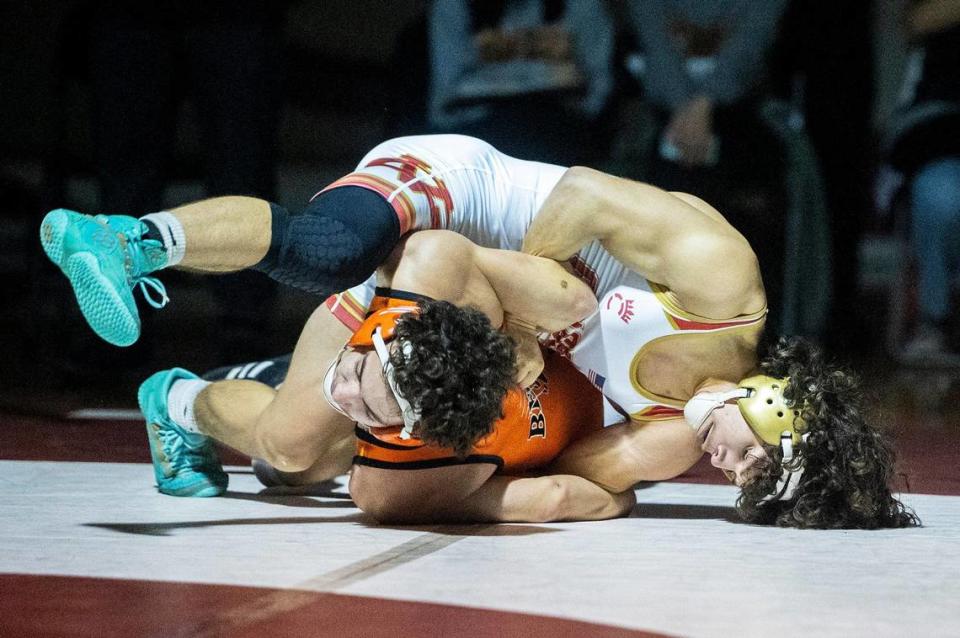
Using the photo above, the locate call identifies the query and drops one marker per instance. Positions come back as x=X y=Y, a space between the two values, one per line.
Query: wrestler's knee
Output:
x=298 y=445
x=283 y=452
x=324 y=469
x=336 y=243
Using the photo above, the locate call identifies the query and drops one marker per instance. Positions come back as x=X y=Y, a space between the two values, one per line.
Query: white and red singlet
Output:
x=465 y=185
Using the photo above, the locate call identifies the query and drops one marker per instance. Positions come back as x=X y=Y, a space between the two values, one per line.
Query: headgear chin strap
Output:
x=702 y=404
x=791 y=469
x=328 y=387
x=376 y=330
x=410 y=415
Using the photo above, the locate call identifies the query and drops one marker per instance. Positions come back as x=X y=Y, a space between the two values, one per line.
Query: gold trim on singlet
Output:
x=673 y=309
x=635 y=362
x=642 y=391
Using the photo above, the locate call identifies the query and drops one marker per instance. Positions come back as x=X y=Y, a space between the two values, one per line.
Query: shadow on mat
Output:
x=471 y=529
x=293 y=498
x=164 y=529
x=687 y=512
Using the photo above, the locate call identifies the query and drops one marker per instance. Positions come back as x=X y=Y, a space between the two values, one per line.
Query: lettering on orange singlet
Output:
x=538 y=420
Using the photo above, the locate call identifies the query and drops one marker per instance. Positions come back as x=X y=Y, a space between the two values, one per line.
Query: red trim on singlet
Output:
x=687 y=324
x=661 y=412
x=346 y=310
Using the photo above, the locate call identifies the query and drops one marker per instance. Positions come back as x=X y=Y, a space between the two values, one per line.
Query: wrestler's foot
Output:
x=184 y=463
x=105 y=257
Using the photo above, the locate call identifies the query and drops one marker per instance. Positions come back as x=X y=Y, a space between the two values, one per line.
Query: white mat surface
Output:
x=680 y=565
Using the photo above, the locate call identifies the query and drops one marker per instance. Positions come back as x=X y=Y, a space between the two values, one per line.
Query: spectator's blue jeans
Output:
x=935 y=202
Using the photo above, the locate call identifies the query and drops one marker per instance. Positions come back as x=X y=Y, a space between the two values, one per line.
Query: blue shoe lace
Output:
x=146 y=283
x=180 y=454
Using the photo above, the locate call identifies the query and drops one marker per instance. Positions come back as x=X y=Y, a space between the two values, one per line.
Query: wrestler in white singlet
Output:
x=465 y=185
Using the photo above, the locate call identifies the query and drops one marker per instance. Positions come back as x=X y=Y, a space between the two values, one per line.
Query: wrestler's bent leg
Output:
x=337 y=242
x=291 y=427
x=270 y=372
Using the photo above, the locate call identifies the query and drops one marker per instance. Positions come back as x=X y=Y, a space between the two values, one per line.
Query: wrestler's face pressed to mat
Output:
x=360 y=388
x=732 y=445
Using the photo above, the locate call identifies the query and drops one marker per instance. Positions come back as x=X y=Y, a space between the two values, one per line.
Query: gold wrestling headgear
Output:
x=767 y=411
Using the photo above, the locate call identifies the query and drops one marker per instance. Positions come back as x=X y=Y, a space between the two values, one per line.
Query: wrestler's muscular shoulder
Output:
x=674 y=239
x=739 y=270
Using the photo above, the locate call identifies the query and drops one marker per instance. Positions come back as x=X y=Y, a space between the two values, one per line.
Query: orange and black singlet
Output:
x=538 y=424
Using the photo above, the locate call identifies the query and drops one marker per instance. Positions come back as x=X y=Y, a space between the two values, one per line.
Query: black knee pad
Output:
x=270 y=371
x=337 y=242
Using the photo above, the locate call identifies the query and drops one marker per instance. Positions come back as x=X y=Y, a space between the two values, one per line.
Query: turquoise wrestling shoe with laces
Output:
x=184 y=463
x=105 y=258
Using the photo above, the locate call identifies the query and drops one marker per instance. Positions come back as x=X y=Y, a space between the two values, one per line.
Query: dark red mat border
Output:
x=98 y=607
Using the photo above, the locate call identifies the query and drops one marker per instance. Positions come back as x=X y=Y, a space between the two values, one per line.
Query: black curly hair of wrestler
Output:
x=848 y=461
x=457 y=373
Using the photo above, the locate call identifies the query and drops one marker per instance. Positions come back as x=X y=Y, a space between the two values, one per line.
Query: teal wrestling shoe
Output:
x=184 y=463
x=105 y=258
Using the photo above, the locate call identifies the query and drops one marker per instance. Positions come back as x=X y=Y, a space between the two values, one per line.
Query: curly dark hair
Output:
x=848 y=462
x=457 y=373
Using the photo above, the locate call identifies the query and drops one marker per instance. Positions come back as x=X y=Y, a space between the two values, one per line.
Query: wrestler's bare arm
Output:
x=409 y=496
x=541 y=499
x=469 y=493
x=673 y=239
x=446 y=265
x=522 y=293
x=293 y=428
x=621 y=455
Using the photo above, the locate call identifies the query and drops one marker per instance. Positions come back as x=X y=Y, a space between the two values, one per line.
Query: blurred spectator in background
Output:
x=924 y=146
x=145 y=57
x=704 y=65
x=529 y=76
x=824 y=61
